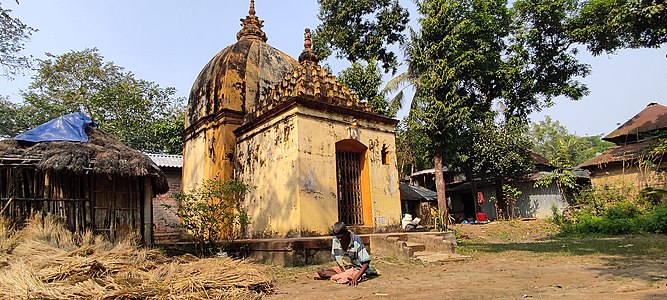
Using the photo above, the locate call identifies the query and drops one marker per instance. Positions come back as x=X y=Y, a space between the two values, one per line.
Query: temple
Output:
x=313 y=152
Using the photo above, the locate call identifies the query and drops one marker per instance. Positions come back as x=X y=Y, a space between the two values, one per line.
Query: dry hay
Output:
x=49 y=262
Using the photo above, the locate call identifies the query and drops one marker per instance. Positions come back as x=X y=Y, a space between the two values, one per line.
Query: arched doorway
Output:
x=354 y=206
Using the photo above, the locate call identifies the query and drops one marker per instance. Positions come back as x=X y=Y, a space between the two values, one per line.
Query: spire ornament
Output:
x=252 y=26
x=308 y=55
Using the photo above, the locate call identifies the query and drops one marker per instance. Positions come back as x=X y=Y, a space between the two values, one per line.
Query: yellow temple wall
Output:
x=267 y=160
x=318 y=134
x=208 y=155
x=291 y=163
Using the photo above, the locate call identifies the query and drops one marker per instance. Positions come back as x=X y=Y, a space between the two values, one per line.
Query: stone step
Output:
x=427 y=256
x=416 y=247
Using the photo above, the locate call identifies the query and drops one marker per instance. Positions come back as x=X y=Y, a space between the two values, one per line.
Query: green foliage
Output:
x=563 y=149
x=138 y=112
x=510 y=195
x=13 y=36
x=557 y=216
x=620 y=218
x=608 y=25
x=540 y=62
x=17 y=117
x=366 y=81
x=361 y=30
x=441 y=220
x=411 y=150
x=213 y=212
x=656 y=219
x=497 y=150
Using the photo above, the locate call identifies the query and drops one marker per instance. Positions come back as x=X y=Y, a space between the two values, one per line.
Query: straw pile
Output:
x=45 y=261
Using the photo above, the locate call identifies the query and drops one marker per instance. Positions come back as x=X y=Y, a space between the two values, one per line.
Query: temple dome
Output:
x=235 y=78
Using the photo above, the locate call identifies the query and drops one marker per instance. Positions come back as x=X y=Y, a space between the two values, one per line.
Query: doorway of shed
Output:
x=353 y=183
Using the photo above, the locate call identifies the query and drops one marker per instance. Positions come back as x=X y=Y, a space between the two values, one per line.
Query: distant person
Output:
x=351 y=257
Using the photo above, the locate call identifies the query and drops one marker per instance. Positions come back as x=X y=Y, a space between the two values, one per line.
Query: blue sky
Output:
x=169 y=42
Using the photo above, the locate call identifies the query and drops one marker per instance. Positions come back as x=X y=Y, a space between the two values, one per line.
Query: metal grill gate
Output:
x=348 y=174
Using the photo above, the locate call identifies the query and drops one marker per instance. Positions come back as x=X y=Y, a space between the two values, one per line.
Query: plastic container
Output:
x=407 y=218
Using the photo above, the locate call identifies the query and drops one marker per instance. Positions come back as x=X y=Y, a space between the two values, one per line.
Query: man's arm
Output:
x=355 y=280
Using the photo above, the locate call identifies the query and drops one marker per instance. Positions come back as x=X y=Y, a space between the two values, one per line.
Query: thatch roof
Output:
x=102 y=154
x=618 y=154
x=651 y=118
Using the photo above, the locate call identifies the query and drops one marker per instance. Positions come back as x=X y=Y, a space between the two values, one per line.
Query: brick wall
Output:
x=162 y=216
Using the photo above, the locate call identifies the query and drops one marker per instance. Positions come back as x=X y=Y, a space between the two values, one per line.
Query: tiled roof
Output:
x=167 y=160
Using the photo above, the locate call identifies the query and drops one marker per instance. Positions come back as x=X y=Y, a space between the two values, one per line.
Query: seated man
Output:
x=351 y=256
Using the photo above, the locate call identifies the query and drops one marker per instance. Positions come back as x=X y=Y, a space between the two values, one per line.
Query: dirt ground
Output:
x=508 y=260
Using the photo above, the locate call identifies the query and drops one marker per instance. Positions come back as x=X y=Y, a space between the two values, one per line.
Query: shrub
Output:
x=622 y=210
x=656 y=219
x=213 y=213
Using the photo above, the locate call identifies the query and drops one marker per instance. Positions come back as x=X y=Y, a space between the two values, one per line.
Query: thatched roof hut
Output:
x=102 y=154
x=102 y=184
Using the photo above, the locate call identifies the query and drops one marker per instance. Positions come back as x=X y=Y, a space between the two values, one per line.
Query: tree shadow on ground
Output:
x=635 y=256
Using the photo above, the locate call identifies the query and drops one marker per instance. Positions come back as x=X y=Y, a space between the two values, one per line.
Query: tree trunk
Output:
x=473 y=190
x=440 y=186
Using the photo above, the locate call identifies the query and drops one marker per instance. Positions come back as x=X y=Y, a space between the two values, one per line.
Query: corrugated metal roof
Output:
x=416 y=193
x=167 y=160
x=653 y=117
x=428 y=171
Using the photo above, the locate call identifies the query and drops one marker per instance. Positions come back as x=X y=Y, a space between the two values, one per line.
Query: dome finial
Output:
x=252 y=25
x=251 y=11
x=308 y=54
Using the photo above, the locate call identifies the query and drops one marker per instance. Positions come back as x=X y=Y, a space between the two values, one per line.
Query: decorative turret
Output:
x=308 y=55
x=310 y=81
x=252 y=25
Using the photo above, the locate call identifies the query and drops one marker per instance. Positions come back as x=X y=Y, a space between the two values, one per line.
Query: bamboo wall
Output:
x=108 y=205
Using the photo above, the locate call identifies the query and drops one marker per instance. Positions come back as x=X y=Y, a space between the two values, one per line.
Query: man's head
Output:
x=340 y=230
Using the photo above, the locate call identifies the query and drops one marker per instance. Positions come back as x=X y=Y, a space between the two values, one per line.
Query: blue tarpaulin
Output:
x=68 y=128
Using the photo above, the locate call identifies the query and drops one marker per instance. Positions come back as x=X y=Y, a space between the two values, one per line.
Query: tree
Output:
x=16 y=117
x=136 y=111
x=471 y=53
x=13 y=36
x=213 y=212
x=563 y=149
x=366 y=81
x=540 y=61
x=458 y=48
x=609 y=25
x=500 y=152
x=411 y=149
x=361 y=30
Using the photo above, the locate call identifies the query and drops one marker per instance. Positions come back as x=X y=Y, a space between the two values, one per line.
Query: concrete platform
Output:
x=315 y=250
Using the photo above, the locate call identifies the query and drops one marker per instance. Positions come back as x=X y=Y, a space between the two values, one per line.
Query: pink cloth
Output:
x=344 y=277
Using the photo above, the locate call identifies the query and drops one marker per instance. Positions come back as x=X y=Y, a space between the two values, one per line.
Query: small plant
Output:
x=213 y=213
x=556 y=216
x=511 y=194
x=440 y=221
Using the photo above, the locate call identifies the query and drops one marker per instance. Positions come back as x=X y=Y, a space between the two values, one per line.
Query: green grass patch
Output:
x=654 y=245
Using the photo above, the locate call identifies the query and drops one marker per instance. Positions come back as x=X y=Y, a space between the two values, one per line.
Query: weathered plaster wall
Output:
x=291 y=162
x=318 y=133
x=267 y=160
x=209 y=154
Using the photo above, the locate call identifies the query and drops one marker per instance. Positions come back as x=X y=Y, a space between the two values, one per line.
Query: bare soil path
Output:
x=509 y=260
